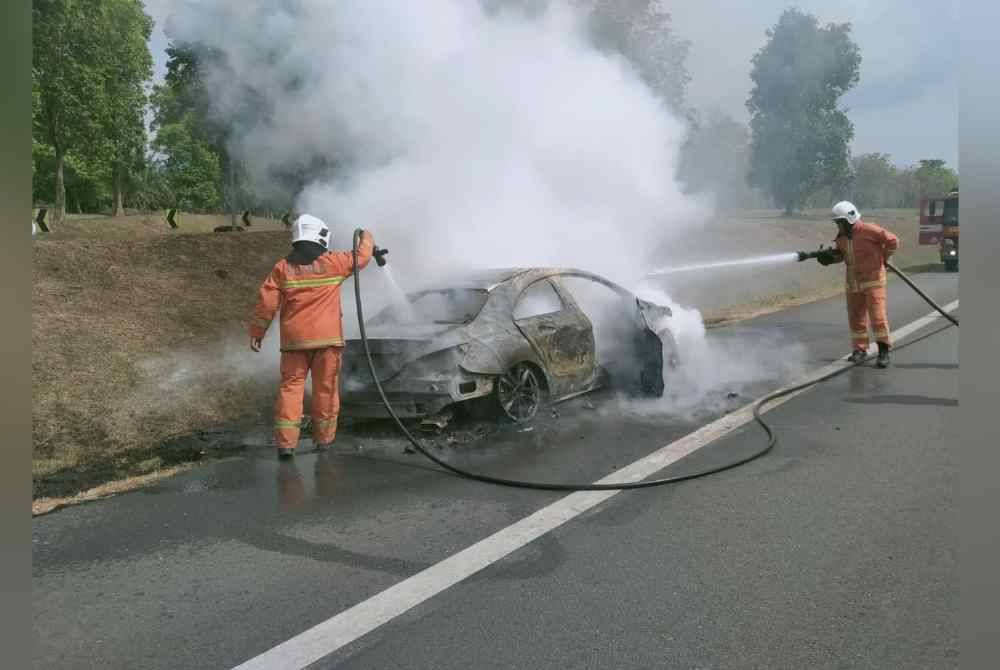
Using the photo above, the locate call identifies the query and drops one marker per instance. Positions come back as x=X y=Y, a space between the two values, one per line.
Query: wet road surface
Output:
x=836 y=546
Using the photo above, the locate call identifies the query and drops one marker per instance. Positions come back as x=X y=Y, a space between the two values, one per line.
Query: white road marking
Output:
x=340 y=630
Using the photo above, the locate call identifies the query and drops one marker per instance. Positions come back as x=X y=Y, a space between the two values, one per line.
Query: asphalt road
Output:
x=835 y=550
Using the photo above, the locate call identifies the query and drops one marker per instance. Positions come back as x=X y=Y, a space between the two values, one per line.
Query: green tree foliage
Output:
x=128 y=67
x=934 y=178
x=86 y=179
x=876 y=181
x=68 y=84
x=191 y=168
x=800 y=138
x=188 y=143
x=90 y=65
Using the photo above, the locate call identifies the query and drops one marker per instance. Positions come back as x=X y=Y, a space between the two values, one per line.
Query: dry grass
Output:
x=106 y=314
x=41 y=506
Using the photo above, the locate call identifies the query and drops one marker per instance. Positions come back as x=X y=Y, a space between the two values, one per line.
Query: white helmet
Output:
x=846 y=210
x=308 y=228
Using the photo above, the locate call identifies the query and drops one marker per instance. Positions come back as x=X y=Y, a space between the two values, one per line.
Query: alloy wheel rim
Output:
x=520 y=393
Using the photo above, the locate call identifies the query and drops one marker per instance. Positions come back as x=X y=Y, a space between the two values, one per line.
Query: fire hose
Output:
x=772 y=438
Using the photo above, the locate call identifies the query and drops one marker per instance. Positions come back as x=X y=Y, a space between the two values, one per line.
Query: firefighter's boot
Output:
x=883 y=355
x=285 y=453
x=858 y=356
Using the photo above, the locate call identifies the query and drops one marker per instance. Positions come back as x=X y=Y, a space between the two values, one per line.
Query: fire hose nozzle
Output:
x=379 y=255
x=819 y=253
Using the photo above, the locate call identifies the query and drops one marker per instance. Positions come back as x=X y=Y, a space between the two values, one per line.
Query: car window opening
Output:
x=537 y=300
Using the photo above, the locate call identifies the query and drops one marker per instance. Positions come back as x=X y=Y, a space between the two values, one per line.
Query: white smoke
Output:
x=716 y=370
x=462 y=138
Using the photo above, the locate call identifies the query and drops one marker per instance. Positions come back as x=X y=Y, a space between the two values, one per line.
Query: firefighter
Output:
x=305 y=286
x=864 y=248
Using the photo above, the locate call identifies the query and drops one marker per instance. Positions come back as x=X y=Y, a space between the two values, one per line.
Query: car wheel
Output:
x=519 y=393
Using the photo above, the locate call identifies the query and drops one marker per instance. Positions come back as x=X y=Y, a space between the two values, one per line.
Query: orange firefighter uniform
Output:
x=312 y=337
x=864 y=250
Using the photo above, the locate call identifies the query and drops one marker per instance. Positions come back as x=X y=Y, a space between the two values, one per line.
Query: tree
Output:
x=128 y=66
x=67 y=83
x=188 y=143
x=190 y=167
x=800 y=138
x=642 y=31
x=86 y=178
x=876 y=181
x=716 y=158
x=934 y=179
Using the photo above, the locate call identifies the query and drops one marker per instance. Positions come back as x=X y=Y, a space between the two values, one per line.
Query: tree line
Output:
x=107 y=140
x=795 y=154
x=104 y=138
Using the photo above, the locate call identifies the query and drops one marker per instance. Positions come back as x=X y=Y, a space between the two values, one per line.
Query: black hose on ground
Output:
x=549 y=486
x=923 y=295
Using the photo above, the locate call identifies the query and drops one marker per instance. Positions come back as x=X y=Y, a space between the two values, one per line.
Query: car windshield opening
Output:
x=445 y=306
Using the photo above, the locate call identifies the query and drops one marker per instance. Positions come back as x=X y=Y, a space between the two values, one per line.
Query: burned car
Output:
x=512 y=340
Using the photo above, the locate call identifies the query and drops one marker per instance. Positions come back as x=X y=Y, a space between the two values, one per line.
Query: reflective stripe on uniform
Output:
x=325 y=422
x=284 y=423
x=313 y=344
x=852 y=284
x=878 y=283
x=309 y=283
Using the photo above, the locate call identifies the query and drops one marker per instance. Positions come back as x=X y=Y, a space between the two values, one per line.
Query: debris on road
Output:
x=437 y=422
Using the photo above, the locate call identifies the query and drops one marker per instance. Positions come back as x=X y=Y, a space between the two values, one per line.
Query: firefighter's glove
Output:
x=826 y=257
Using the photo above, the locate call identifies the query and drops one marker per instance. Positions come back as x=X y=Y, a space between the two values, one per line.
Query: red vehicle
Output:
x=939 y=227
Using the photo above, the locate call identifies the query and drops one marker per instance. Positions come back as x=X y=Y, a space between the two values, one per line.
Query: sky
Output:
x=906 y=104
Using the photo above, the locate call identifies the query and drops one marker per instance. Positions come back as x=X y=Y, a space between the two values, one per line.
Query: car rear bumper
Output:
x=369 y=405
x=414 y=398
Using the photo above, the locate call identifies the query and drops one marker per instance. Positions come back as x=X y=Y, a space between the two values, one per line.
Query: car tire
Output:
x=519 y=393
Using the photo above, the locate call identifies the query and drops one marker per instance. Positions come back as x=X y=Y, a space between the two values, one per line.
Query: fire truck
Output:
x=939 y=227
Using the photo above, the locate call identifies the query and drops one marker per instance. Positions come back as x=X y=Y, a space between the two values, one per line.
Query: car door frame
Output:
x=651 y=347
x=563 y=341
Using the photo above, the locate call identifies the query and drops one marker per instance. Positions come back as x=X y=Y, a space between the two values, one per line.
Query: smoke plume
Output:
x=462 y=137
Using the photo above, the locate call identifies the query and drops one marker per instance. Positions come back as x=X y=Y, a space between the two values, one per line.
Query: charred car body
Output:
x=515 y=339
